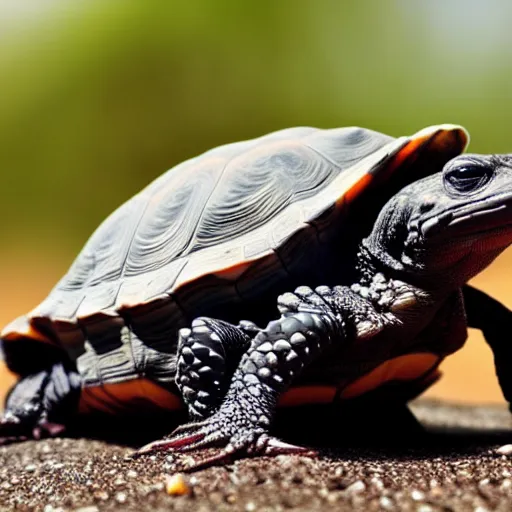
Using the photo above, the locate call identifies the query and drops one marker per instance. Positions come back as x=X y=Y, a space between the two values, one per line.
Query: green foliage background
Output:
x=98 y=97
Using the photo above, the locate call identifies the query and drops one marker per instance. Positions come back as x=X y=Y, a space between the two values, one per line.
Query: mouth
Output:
x=477 y=220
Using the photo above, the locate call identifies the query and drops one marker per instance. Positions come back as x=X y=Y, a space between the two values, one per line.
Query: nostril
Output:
x=427 y=202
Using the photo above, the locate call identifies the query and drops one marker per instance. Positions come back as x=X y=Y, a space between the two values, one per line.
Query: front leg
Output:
x=494 y=320
x=207 y=356
x=311 y=321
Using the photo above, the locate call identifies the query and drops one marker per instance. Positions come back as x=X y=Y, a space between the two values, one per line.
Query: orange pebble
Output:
x=176 y=485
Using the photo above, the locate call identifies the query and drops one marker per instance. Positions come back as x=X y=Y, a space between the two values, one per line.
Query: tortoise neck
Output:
x=371 y=260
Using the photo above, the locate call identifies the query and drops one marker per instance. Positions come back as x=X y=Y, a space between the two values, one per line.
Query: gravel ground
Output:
x=455 y=465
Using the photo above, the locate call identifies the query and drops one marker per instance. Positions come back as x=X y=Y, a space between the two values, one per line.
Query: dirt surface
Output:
x=456 y=465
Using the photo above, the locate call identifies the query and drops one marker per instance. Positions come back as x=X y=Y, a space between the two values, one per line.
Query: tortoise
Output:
x=162 y=308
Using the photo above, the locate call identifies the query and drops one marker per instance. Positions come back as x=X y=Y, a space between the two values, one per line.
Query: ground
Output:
x=457 y=465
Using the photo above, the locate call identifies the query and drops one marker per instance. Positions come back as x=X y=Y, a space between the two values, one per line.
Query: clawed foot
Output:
x=15 y=430
x=214 y=432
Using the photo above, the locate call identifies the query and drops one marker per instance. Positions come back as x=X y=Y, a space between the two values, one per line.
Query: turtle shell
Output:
x=222 y=235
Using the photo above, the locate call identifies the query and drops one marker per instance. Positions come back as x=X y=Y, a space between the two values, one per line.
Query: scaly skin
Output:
x=427 y=242
x=39 y=404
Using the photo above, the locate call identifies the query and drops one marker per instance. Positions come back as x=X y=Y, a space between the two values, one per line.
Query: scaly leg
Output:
x=208 y=354
x=40 y=404
x=311 y=321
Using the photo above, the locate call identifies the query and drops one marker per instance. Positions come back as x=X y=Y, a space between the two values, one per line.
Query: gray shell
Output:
x=215 y=231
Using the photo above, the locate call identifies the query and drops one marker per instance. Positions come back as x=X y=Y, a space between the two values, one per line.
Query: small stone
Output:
x=265 y=347
x=250 y=506
x=121 y=497
x=131 y=474
x=386 y=503
x=424 y=508
x=101 y=495
x=355 y=488
x=176 y=485
x=90 y=508
x=417 y=495
x=30 y=468
x=377 y=483
x=323 y=492
x=506 y=449
x=231 y=498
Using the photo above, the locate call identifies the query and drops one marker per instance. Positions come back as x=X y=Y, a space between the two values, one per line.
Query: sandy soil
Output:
x=454 y=466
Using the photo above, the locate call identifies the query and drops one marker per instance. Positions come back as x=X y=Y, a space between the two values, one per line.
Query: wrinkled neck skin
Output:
x=436 y=241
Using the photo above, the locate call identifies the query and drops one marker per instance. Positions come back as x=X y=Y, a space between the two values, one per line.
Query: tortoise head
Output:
x=446 y=228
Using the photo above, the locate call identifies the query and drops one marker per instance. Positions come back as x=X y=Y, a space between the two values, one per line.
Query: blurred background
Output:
x=98 y=97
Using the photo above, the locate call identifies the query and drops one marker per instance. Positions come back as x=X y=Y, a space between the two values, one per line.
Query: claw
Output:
x=187 y=427
x=223 y=457
x=169 y=444
x=269 y=446
x=274 y=446
x=12 y=439
x=47 y=429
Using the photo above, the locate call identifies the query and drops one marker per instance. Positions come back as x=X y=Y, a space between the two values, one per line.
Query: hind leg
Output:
x=40 y=404
x=208 y=355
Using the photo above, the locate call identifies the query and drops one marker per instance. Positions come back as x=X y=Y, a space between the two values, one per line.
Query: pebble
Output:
x=131 y=474
x=506 y=449
x=357 y=487
x=250 y=507
x=121 y=497
x=386 y=503
x=506 y=484
x=101 y=495
x=417 y=495
x=30 y=468
x=424 y=508
x=91 y=508
x=176 y=485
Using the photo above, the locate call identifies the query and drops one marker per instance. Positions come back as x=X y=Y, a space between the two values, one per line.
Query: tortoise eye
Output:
x=468 y=177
